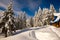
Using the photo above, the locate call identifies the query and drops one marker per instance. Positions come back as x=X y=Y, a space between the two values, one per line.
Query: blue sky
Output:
x=29 y=6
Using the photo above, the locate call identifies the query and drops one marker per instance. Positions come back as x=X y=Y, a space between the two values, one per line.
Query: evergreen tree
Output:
x=24 y=20
x=8 y=20
x=20 y=21
x=31 y=22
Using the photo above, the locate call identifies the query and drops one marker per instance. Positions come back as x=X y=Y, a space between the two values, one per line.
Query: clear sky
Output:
x=29 y=6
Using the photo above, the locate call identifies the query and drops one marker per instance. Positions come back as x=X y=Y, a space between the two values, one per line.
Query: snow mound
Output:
x=47 y=33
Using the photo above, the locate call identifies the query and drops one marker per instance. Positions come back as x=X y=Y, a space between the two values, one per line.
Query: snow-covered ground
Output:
x=36 y=33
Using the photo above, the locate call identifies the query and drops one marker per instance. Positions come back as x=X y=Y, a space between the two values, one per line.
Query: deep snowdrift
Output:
x=46 y=33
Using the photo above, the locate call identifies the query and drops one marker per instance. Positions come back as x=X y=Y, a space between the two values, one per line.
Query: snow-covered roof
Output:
x=58 y=17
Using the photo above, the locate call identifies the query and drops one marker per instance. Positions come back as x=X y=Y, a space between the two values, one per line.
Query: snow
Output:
x=37 y=33
x=46 y=34
x=57 y=31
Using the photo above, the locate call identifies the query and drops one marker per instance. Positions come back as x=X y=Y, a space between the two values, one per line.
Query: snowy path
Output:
x=48 y=33
x=20 y=31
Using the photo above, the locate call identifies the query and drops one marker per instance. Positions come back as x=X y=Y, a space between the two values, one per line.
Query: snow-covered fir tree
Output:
x=31 y=21
x=24 y=20
x=28 y=23
x=38 y=18
x=7 y=21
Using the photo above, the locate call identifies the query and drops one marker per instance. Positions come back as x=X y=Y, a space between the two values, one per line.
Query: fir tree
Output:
x=8 y=20
x=31 y=22
x=24 y=20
